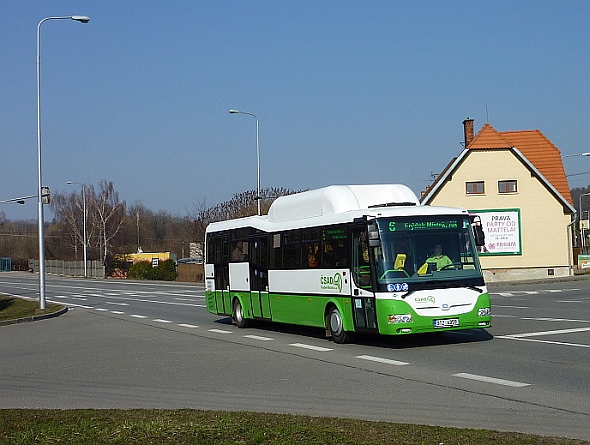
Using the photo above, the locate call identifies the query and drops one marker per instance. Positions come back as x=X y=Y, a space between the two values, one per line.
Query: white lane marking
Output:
x=117 y=312
x=82 y=306
x=146 y=294
x=138 y=316
x=101 y=309
x=219 y=331
x=511 y=307
x=554 y=319
x=189 y=298
x=313 y=348
x=116 y=303
x=536 y=334
x=386 y=361
x=482 y=378
x=186 y=325
x=562 y=343
x=503 y=316
x=159 y=320
x=258 y=337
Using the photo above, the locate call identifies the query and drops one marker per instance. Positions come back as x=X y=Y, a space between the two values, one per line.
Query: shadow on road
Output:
x=393 y=342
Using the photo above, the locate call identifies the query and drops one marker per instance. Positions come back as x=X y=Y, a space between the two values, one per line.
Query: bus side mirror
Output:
x=480 y=237
x=478 y=234
x=373 y=235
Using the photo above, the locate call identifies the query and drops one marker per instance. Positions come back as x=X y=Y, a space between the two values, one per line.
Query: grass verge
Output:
x=12 y=308
x=138 y=426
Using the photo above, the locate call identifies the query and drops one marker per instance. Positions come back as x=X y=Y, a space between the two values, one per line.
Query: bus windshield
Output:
x=425 y=248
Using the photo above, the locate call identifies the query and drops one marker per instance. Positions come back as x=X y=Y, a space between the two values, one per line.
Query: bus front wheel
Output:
x=238 y=315
x=335 y=326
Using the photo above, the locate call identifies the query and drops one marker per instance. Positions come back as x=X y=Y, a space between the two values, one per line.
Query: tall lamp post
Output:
x=258 y=198
x=84 y=235
x=77 y=18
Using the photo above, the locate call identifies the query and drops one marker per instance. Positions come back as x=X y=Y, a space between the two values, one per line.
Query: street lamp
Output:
x=77 y=18
x=20 y=200
x=577 y=154
x=258 y=198
x=85 y=243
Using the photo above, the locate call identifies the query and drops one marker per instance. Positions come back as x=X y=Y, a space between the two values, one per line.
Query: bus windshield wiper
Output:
x=473 y=288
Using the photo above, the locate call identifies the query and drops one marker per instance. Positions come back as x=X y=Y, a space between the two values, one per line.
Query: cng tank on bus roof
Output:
x=338 y=199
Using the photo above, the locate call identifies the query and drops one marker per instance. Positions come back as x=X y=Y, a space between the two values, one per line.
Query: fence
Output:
x=70 y=268
x=190 y=272
x=5 y=264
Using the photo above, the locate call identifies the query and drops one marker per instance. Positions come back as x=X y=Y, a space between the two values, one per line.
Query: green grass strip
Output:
x=138 y=426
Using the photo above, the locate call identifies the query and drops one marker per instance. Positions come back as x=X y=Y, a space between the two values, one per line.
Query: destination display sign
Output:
x=401 y=225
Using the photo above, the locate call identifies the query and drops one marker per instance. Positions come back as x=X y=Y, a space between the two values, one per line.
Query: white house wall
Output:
x=543 y=224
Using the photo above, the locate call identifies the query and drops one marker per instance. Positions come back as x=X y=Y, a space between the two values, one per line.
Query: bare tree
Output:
x=68 y=212
x=241 y=205
x=109 y=212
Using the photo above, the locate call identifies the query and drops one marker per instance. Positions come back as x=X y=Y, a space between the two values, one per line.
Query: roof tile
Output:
x=535 y=146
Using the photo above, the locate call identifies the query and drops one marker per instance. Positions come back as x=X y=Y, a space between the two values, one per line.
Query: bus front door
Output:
x=363 y=295
x=259 y=259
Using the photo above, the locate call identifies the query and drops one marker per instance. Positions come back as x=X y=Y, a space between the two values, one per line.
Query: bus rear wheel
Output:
x=336 y=326
x=238 y=315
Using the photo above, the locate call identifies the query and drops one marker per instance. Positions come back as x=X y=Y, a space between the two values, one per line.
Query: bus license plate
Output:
x=446 y=323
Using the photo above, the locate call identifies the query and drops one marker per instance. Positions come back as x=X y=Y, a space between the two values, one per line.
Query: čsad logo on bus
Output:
x=331 y=283
x=429 y=299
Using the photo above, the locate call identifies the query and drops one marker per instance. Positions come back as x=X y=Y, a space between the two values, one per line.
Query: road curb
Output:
x=34 y=317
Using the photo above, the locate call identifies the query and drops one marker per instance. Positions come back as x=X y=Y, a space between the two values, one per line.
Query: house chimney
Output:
x=468 y=131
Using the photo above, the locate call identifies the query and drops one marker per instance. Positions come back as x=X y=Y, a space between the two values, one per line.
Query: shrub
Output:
x=143 y=270
x=140 y=271
x=166 y=270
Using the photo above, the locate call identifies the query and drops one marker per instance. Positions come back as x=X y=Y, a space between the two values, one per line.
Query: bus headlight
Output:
x=484 y=312
x=401 y=318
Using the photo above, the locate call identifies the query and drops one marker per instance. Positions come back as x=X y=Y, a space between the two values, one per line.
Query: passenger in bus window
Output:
x=312 y=260
x=312 y=250
x=238 y=253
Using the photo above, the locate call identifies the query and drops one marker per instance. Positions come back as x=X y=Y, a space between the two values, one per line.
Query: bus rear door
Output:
x=259 y=258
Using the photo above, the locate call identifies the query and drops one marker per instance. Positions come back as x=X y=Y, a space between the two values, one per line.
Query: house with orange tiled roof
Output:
x=516 y=183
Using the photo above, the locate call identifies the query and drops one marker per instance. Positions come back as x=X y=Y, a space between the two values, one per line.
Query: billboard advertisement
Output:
x=502 y=231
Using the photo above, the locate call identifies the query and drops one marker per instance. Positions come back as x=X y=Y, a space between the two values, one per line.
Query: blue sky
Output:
x=346 y=92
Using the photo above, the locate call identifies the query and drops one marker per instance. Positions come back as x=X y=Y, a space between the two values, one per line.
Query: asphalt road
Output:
x=150 y=345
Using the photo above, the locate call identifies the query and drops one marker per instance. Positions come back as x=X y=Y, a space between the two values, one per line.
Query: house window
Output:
x=507 y=186
x=474 y=188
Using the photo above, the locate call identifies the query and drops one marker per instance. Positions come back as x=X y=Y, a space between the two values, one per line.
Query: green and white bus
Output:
x=356 y=258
